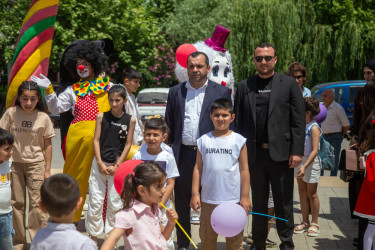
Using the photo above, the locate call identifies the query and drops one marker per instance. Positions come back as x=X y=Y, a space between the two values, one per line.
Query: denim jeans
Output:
x=6 y=231
x=335 y=140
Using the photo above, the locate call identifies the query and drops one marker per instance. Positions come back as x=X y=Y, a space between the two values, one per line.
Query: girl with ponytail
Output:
x=140 y=220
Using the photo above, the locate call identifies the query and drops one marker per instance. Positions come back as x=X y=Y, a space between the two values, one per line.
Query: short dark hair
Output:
x=196 y=54
x=130 y=73
x=222 y=103
x=266 y=45
x=118 y=88
x=6 y=138
x=156 y=124
x=60 y=194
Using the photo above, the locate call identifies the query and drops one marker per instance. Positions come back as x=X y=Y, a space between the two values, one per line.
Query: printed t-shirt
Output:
x=221 y=180
x=164 y=159
x=29 y=131
x=5 y=190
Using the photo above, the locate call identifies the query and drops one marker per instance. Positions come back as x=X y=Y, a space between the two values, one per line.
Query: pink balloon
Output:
x=183 y=52
x=322 y=114
x=228 y=219
x=122 y=171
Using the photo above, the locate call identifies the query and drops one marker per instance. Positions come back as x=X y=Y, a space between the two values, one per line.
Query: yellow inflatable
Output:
x=133 y=149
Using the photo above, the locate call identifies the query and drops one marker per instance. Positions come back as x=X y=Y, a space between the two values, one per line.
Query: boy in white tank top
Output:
x=222 y=171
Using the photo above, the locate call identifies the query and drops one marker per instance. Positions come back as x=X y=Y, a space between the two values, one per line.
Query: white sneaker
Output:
x=195 y=220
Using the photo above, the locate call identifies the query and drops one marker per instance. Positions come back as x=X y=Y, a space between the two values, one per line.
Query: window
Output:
x=339 y=94
x=352 y=93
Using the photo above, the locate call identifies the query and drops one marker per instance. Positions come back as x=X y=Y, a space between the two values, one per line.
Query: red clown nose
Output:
x=81 y=67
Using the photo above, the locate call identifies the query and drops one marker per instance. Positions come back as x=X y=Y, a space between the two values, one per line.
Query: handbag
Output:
x=350 y=159
x=346 y=176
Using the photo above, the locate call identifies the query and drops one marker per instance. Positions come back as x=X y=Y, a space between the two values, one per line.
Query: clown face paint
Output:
x=220 y=70
x=83 y=68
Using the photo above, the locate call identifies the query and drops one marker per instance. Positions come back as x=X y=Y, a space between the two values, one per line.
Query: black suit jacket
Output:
x=174 y=114
x=286 y=117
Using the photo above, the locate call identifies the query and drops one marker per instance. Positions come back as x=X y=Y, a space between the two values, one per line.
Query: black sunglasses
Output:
x=299 y=77
x=266 y=58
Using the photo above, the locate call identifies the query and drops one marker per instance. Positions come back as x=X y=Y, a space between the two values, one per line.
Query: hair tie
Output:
x=133 y=174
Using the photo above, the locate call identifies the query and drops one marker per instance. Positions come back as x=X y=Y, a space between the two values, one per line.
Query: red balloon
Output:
x=183 y=52
x=122 y=171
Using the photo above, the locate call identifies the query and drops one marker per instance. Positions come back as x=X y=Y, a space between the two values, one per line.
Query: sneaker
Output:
x=195 y=220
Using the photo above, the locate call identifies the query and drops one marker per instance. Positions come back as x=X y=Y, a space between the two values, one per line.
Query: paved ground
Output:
x=337 y=228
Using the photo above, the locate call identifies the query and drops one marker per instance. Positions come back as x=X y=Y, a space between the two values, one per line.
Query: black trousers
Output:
x=182 y=189
x=281 y=177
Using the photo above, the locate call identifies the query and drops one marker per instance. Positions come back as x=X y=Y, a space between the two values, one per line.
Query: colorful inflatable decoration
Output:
x=219 y=57
x=133 y=149
x=228 y=219
x=122 y=171
x=34 y=44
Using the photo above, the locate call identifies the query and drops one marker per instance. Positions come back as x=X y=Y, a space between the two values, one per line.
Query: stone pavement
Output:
x=337 y=229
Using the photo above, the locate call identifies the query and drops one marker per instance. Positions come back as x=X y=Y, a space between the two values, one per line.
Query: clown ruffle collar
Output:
x=97 y=86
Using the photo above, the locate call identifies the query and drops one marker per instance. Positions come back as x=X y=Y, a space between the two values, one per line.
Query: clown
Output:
x=86 y=98
x=220 y=59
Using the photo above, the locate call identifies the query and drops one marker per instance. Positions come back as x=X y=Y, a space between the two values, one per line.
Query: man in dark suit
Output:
x=270 y=113
x=188 y=117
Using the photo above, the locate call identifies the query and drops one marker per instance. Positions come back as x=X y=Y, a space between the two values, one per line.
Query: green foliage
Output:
x=194 y=20
x=134 y=30
x=332 y=39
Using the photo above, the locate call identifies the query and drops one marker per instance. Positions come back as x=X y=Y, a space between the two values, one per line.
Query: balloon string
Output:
x=268 y=216
x=183 y=230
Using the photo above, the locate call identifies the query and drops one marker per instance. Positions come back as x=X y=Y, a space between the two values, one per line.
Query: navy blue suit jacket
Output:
x=174 y=114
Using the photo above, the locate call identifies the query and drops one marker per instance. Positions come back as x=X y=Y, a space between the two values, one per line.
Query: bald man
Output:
x=335 y=125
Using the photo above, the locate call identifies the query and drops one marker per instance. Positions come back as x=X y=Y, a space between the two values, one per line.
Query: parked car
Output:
x=345 y=93
x=152 y=101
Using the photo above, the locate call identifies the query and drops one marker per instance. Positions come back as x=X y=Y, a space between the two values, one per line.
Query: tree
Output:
x=135 y=32
x=331 y=38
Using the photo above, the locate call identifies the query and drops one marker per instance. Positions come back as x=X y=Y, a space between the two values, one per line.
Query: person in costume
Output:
x=86 y=98
x=366 y=200
x=219 y=57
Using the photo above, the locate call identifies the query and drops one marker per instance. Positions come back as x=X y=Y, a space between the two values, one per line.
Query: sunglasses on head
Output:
x=266 y=58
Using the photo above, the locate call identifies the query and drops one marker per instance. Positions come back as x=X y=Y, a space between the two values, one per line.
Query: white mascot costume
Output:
x=220 y=58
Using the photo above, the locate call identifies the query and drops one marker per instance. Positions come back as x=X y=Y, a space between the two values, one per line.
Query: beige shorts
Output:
x=312 y=173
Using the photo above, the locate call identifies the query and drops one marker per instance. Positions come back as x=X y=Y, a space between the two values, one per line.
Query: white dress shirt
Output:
x=193 y=107
x=336 y=119
x=131 y=108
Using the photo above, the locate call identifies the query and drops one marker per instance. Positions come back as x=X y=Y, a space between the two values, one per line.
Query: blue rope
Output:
x=268 y=216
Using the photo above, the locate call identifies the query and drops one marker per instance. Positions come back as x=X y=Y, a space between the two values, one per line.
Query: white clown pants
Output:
x=97 y=185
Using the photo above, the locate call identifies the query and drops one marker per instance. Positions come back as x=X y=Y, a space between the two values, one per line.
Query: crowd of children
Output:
x=138 y=214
